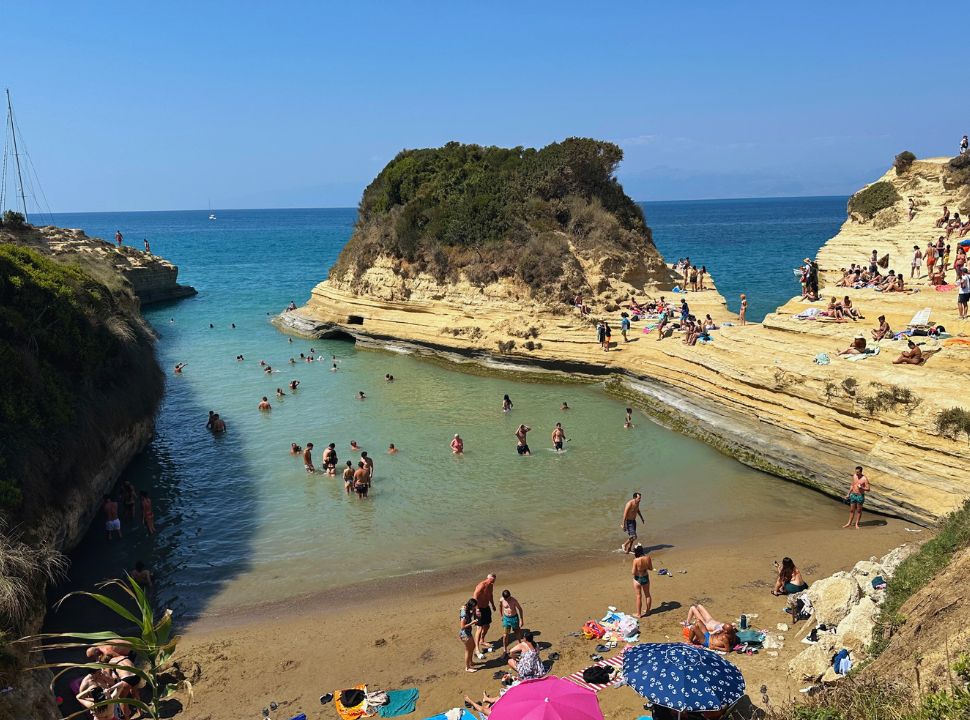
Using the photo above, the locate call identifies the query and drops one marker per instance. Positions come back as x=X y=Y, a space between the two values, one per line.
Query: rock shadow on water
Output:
x=204 y=521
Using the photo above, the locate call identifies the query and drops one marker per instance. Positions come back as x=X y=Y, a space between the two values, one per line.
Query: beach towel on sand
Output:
x=354 y=712
x=577 y=677
x=399 y=702
x=862 y=356
x=454 y=714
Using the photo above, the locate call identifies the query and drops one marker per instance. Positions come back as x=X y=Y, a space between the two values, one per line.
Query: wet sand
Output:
x=403 y=632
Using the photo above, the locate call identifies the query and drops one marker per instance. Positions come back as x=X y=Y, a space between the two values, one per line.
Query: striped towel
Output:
x=577 y=677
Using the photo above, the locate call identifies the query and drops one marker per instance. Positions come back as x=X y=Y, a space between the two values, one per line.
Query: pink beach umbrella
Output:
x=549 y=698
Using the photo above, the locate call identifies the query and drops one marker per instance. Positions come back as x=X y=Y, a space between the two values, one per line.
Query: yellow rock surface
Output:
x=755 y=392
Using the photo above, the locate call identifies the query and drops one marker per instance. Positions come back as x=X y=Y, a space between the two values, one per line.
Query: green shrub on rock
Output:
x=872 y=199
x=903 y=161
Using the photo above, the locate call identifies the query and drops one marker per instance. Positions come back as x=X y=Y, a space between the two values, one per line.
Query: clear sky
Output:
x=164 y=105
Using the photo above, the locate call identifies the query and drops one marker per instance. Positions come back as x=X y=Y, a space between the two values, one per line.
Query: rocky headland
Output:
x=502 y=291
x=81 y=386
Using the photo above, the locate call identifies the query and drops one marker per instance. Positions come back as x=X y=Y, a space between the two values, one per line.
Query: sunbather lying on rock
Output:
x=858 y=346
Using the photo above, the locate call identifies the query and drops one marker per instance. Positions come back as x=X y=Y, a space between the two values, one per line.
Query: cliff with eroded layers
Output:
x=410 y=275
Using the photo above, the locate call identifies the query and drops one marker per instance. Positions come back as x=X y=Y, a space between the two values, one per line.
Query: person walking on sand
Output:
x=917 y=264
x=112 y=523
x=642 y=565
x=558 y=437
x=466 y=631
x=485 y=601
x=744 y=309
x=857 y=496
x=513 y=618
x=457 y=445
x=308 y=458
x=522 y=445
x=630 y=513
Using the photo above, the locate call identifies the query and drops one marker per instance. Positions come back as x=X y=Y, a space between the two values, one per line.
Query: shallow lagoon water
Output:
x=241 y=523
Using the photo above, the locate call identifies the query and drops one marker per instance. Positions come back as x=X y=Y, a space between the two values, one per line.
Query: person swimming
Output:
x=564 y=406
x=506 y=404
x=295 y=449
x=360 y=395
x=354 y=445
x=179 y=367
x=391 y=450
x=280 y=393
x=294 y=384
x=558 y=437
x=264 y=404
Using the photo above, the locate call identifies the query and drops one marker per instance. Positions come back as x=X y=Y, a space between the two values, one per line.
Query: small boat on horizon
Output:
x=212 y=215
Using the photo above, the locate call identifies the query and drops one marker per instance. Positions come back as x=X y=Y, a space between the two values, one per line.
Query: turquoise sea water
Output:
x=241 y=523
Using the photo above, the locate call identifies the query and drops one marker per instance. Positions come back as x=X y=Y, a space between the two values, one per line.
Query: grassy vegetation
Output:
x=20 y=565
x=918 y=569
x=953 y=422
x=903 y=161
x=874 y=198
x=958 y=170
x=488 y=213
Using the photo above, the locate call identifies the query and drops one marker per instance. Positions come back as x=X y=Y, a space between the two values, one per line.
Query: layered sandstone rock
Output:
x=755 y=392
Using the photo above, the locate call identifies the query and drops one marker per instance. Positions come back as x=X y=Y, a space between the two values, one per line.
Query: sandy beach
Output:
x=403 y=633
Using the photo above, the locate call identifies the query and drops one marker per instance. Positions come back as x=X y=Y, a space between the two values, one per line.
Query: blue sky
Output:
x=137 y=106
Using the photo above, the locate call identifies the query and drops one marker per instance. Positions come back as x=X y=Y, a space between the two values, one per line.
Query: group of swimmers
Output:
x=357 y=480
x=130 y=499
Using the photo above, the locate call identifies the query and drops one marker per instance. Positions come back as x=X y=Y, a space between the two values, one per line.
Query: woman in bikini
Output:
x=506 y=404
x=704 y=630
x=466 y=631
x=790 y=578
x=642 y=565
x=147 y=514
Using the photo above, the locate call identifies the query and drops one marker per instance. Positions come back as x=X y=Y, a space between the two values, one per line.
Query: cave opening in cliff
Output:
x=355 y=320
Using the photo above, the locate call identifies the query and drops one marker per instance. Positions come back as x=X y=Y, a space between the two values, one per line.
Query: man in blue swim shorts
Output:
x=857 y=496
x=512 y=619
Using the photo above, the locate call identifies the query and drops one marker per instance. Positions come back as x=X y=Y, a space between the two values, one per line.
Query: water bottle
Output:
x=744 y=622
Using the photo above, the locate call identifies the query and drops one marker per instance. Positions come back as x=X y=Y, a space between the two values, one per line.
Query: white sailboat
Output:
x=211 y=214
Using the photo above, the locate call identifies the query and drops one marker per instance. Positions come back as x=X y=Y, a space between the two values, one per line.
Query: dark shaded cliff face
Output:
x=80 y=388
x=547 y=218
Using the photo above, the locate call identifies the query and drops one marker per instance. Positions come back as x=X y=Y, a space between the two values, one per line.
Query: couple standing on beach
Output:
x=475 y=619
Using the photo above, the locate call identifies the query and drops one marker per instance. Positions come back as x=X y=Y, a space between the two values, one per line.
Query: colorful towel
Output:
x=945 y=288
x=399 y=702
x=453 y=714
x=577 y=677
x=350 y=713
x=862 y=356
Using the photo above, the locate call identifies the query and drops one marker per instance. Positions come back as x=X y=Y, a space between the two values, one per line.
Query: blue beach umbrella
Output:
x=682 y=677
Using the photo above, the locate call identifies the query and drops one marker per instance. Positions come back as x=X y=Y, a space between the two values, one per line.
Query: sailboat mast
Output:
x=16 y=154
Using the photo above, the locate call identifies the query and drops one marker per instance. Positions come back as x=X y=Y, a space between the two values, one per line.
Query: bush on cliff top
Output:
x=75 y=367
x=477 y=210
x=874 y=198
x=903 y=161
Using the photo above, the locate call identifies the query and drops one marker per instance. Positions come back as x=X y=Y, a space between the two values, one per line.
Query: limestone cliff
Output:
x=755 y=392
x=81 y=387
x=150 y=277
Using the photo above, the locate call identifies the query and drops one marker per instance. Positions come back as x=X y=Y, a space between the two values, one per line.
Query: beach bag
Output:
x=593 y=630
x=597 y=675
x=751 y=637
x=628 y=626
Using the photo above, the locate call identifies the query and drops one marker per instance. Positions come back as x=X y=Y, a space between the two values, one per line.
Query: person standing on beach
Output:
x=964 y=145
x=457 y=445
x=600 y=333
x=148 y=248
x=625 y=326
x=119 y=238
x=467 y=630
x=642 y=565
x=630 y=513
x=486 y=603
x=964 y=294
x=308 y=458
x=857 y=496
x=744 y=309
x=111 y=521
x=512 y=619
x=522 y=445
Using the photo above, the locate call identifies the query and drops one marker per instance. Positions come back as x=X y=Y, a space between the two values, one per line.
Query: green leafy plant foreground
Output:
x=152 y=642
x=876 y=197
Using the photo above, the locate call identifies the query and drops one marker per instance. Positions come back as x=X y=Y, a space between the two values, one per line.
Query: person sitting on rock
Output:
x=790 y=578
x=858 y=346
x=882 y=331
x=945 y=218
x=913 y=356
